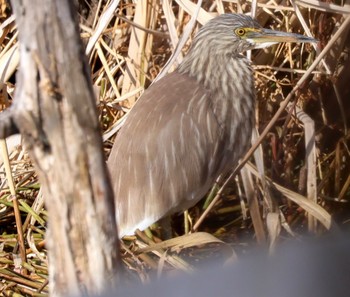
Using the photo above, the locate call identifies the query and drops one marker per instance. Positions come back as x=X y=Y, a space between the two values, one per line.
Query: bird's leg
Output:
x=165 y=224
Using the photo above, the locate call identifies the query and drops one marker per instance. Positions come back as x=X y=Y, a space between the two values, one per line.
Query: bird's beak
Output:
x=266 y=37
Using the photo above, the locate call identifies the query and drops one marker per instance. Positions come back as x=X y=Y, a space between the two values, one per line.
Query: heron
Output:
x=191 y=126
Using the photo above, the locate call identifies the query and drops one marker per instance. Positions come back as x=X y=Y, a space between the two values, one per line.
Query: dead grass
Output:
x=302 y=166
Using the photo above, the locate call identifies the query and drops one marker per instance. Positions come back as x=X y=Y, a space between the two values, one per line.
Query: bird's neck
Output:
x=229 y=80
x=218 y=72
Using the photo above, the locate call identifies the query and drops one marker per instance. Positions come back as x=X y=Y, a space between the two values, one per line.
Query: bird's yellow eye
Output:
x=240 y=32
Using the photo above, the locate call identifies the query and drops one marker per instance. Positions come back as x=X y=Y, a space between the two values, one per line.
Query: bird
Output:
x=190 y=126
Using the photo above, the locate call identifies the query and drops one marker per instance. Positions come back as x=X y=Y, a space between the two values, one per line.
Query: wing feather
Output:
x=160 y=160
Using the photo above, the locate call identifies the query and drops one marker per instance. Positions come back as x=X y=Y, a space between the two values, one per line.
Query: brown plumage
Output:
x=189 y=127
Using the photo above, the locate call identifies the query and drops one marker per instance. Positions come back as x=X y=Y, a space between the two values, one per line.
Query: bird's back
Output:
x=169 y=152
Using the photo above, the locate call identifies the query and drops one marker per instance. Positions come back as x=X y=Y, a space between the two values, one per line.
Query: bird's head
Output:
x=225 y=37
x=237 y=33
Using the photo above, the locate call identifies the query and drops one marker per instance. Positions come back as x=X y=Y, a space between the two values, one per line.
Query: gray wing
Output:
x=168 y=153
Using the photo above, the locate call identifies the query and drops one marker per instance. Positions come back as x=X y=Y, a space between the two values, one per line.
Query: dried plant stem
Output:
x=8 y=171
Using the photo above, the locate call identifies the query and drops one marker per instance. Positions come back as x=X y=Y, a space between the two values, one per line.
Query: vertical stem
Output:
x=8 y=171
